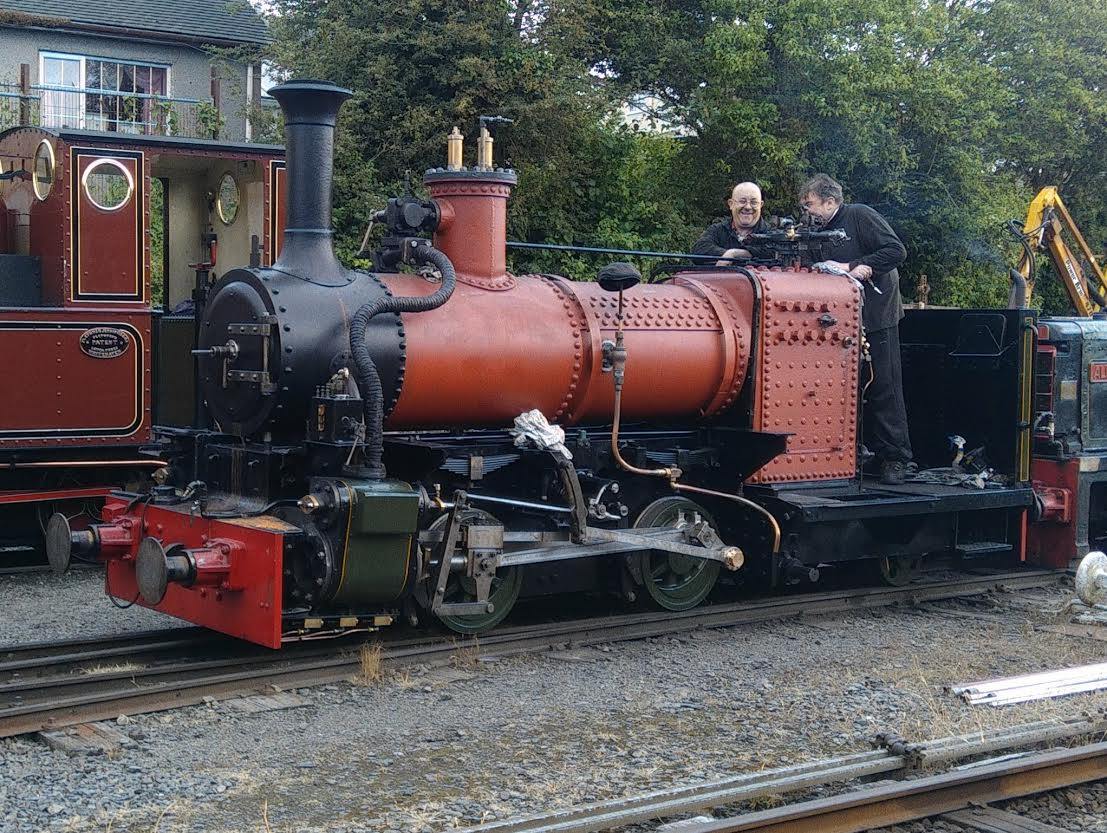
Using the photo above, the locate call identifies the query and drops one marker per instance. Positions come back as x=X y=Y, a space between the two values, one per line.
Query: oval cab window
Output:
x=226 y=202
x=43 y=178
x=108 y=184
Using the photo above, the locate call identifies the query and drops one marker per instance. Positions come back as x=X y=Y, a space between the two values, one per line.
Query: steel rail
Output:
x=131 y=691
x=896 y=756
x=20 y=661
x=890 y=804
x=33 y=654
x=55 y=646
x=31 y=569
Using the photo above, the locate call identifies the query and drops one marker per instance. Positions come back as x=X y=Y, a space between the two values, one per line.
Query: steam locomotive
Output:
x=439 y=436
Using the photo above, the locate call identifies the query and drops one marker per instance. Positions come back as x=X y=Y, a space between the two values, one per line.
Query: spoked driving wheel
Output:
x=461 y=588
x=674 y=581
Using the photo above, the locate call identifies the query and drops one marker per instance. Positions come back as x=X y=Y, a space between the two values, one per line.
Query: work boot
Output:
x=893 y=472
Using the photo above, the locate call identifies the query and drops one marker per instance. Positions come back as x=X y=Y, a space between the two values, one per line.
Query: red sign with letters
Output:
x=1097 y=372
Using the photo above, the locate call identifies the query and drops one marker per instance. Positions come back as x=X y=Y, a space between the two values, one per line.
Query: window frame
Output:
x=43 y=194
x=119 y=168
x=83 y=91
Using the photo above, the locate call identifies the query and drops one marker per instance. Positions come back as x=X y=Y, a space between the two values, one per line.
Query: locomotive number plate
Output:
x=109 y=343
x=1097 y=372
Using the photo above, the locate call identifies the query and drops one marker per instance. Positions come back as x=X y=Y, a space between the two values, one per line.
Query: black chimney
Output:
x=310 y=110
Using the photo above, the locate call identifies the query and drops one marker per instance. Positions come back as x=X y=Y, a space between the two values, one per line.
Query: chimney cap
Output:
x=310 y=84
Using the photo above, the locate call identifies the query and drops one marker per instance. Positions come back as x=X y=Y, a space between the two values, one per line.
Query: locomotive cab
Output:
x=967 y=387
x=217 y=213
x=99 y=230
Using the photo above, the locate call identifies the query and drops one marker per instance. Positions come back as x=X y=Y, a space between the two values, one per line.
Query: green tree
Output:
x=1052 y=126
x=946 y=115
x=886 y=95
x=419 y=67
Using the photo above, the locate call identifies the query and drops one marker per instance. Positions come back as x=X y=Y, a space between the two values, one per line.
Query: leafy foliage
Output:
x=157 y=242
x=946 y=115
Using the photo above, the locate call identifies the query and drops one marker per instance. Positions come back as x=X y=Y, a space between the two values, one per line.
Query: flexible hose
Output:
x=365 y=371
x=1016 y=297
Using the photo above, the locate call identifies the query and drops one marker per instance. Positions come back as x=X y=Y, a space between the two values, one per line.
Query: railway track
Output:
x=44 y=653
x=925 y=798
x=1013 y=776
x=46 y=685
x=33 y=568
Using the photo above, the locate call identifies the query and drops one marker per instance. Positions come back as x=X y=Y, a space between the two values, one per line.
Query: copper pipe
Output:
x=872 y=370
x=872 y=378
x=673 y=474
x=681 y=487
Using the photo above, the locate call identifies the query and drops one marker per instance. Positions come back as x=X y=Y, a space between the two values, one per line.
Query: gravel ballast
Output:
x=431 y=749
x=40 y=606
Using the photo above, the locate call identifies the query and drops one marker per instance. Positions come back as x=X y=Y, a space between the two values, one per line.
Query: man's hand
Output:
x=861 y=272
x=733 y=253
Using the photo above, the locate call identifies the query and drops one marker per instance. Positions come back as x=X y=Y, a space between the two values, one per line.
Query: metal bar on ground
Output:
x=619 y=812
x=1020 y=689
x=890 y=804
x=1024 y=696
x=1061 y=675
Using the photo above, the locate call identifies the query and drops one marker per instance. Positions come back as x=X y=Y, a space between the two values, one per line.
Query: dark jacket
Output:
x=720 y=236
x=871 y=243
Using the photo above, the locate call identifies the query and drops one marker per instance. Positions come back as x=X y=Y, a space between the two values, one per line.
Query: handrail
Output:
x=118 y=93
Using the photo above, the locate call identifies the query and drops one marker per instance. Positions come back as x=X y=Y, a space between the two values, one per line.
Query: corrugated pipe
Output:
x=365 y=371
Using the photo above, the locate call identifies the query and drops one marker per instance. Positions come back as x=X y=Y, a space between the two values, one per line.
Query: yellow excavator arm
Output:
x=1045 y=221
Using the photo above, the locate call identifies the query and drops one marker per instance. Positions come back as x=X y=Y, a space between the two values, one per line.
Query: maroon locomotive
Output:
x=91 y=362
x=438 y=436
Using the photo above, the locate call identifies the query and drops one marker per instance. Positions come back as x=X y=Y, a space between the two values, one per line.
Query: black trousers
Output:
x=885 y=415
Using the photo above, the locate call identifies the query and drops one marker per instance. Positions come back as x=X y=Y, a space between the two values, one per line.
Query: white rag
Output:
x=533 y=427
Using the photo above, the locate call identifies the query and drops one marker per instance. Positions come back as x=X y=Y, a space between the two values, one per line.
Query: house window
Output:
x=102 y=94
x=59 y=75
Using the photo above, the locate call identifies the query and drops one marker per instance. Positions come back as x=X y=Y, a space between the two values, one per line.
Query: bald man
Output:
x=727 y=238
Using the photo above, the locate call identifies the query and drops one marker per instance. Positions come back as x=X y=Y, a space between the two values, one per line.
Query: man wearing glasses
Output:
x=727 y=238
x=870 y=254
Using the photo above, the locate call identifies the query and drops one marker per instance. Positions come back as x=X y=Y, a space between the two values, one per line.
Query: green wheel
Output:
x=898 y=570
x=459 y=588
x=504 y=593
x=675 y=582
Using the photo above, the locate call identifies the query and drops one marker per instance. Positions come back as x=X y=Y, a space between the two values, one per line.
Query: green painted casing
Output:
x=383 y=519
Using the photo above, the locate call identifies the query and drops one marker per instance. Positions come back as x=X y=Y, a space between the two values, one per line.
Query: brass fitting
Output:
x=484 y=149
x=309 y=504
x=619 y=359
x=454 y=147
x=733 y=558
